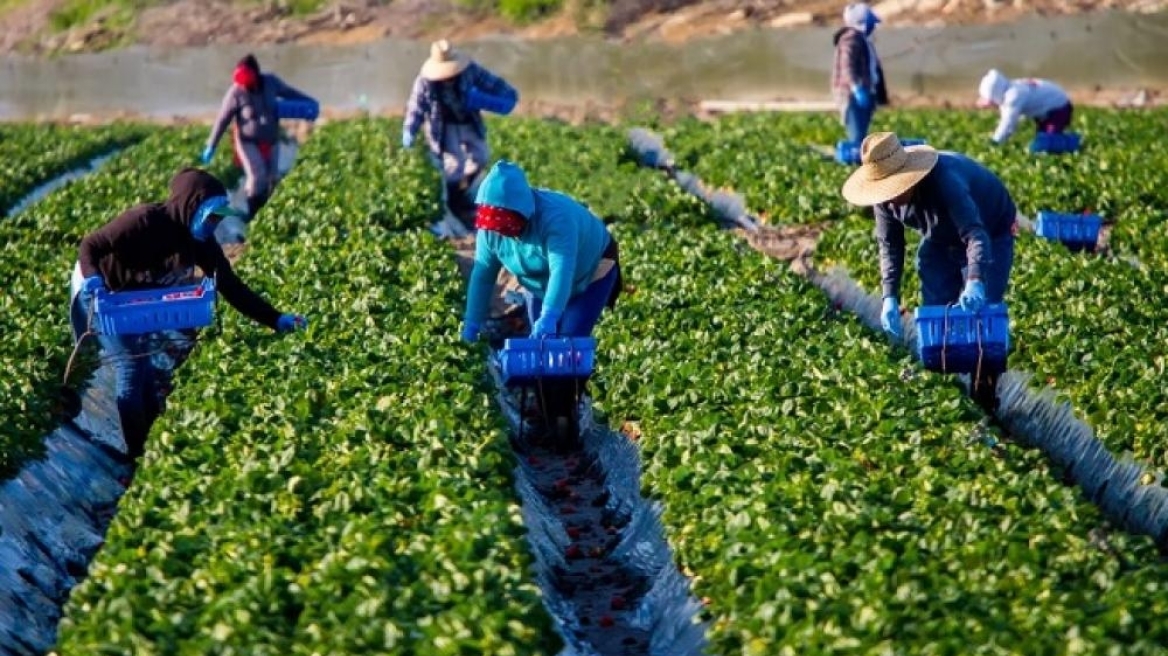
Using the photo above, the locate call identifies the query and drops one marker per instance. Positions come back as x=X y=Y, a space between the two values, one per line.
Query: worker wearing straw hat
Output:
x=449 y=95
x=963 y=211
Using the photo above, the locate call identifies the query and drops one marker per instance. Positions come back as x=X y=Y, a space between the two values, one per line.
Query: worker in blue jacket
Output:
x=963 y=211
x=557 y=249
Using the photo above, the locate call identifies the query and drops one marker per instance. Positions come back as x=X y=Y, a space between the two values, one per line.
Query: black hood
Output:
x=188 y=189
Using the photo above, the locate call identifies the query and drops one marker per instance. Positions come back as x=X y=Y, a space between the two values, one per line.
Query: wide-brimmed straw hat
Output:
x=887 y=169
x=445 y=61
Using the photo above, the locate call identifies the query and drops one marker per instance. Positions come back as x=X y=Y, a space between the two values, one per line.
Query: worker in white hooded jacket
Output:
x=1041 y=100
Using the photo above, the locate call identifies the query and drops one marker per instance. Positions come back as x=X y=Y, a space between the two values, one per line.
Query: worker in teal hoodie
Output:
x=562 y=254
x=558 y=249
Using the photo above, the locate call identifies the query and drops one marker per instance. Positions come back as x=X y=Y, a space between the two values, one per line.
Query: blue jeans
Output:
x=560 y=396
x=942 y=271
x=857 y=121
x=583 y=310
x=136 y=395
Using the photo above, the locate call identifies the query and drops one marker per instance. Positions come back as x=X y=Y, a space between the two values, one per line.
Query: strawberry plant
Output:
x=342 y=490
x=826 y=496
x=31 y=154
x=39 y=247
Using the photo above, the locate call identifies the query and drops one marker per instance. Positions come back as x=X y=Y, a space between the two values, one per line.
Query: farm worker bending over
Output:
x=558 y=249
x=449 y=95
x=1041 y=100
x=967 y=223
x=963 y=211
x=251 y=103
x=857 y=79
x=158 y=245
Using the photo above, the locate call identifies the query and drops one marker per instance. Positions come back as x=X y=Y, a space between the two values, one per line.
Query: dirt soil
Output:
x=197 y=23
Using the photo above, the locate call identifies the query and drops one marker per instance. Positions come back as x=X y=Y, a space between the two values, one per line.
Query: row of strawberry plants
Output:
x=38 y=249
x=1079 y=323
x=585 y=161
x=773 y=160
x=828 y=505
x=343 y=490
x=823 y=502
x=31 y=154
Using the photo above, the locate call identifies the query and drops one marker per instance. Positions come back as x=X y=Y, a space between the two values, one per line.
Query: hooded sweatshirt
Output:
x=1029 y=97
x=555 y=257
x=151 y=245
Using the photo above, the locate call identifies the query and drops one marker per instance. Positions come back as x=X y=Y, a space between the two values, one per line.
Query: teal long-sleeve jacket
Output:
x=554 y=257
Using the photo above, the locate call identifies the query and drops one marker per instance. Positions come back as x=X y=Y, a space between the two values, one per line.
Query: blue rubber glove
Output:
x=407 y=138
x=470 y=332
x=890 y=317
x=208 y=153
x=973 y=297
x=546 y=325
x=862 y=96
x=289 y=322
x=93 y=284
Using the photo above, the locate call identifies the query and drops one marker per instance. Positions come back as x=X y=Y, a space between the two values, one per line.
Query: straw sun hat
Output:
x=445 y=61
x=887 y=169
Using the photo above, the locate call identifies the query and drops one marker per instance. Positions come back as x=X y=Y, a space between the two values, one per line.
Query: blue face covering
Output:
x=870 y=24
x=208 y=216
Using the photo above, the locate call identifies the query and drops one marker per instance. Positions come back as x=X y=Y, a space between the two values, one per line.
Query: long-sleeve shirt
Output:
x=425 y=103
x=146 y=246
x=960 y=202
x=254 y=112
x=856 y=64
x=1029 y=98
x=554 y=257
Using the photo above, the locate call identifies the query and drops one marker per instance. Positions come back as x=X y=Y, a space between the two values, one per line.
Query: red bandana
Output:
x=245 y=77
x=508 y=223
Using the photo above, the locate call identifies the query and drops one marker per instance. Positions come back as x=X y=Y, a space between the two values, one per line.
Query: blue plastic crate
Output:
x=479 y=100
x=152 y=310
x=952 y=340
x=1056 y=142
x=523 y=361
x=1077 y=231
x=848 y=152
x=307 y=110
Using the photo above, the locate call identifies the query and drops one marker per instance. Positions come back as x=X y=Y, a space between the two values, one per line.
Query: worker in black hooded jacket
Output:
x=158 y=245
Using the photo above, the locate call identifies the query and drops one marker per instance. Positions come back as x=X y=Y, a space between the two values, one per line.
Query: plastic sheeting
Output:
x=53 y=516
x=667 y=611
